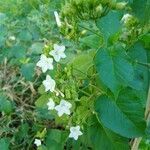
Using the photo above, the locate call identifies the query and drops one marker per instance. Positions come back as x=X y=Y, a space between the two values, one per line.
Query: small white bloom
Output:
x=49 y=84
x=37 y=142
x=12 y=38
x=51 y=104
x=57 y=19
x=63 y=108
x=75 y=132
x=45 y=63
x=126 y=18
x=58 y=52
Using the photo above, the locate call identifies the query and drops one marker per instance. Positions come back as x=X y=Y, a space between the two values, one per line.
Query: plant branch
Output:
x=90 y=30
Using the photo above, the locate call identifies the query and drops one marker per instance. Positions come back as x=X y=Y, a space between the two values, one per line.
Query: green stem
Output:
x=143 y=64
x=90 y=30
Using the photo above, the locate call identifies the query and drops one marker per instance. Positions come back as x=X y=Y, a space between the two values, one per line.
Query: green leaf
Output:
x=141 y=9
x=139 y=54
x=43 y=113
x=18 y=51
x=110 y=24
x=42 y=101
x=4 y=144
x=81 y=63
x=36 y=48
x=5 y=104
x=25 y=35
x=146 y=40
x=42 y=109
x=125 y=116
x=42 y=147
x=56 y=139
x=22 y=133
x=41 y=134
x=114 y=69
x=2 y=17
x=92 y=41
x=103 y=138
x=141 y=80
x=41 y=89
x=27 y=71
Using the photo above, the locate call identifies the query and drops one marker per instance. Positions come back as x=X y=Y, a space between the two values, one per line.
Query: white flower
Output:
x=12 y=38
x=37 y=142
x=63 y=108
x=75 y=132
x=57 y=19
x=126 y=18
x=49 y=84
x=45 y=63
x=51 y=104
x=58 y=52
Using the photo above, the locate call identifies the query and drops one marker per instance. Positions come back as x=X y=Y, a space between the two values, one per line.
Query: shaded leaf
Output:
x=81 y=63
x=109 y=24
x=56 y=139
x=42 y=100
x=25 y=35
x=5 y=104
x=92 y=41
x=4 y=144
x=114 y=69
x=125 y=116
x=27 y=71
x=141 y=9
x=103 y=138
x=141 y=80
x=36 y=48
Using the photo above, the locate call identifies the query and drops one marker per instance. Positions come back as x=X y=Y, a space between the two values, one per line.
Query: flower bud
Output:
x=57 y=19
x=99 y=9
x=67 y=94
x=126 y=18
x=121 y=5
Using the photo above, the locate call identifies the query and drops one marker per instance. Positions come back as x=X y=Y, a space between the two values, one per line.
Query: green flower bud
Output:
x=67 y=94
x=99 y=8
x=83 y=32
x=121 y=5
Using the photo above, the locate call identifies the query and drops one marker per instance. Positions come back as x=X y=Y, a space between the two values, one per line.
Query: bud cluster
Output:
x=76 y=11
x=90 y=9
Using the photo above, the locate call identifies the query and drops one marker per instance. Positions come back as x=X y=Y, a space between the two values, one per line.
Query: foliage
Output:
x=104 y=77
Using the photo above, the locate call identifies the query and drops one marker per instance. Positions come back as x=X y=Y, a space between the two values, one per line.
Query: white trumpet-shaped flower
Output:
x=63 y=108
x=45 y=63
x=75 y=132
x=58 y=52
x=51 y=104
x=57 y=18
x=49 y=84
x=37 y=142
